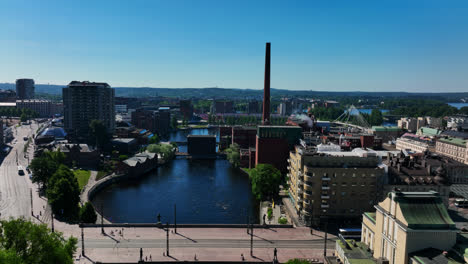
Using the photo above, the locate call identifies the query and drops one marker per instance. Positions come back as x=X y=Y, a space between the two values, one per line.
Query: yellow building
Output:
x=333 y=185
x=407 y=223
x=455 y=148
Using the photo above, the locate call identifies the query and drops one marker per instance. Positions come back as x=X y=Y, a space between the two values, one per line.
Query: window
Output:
x=385 y=225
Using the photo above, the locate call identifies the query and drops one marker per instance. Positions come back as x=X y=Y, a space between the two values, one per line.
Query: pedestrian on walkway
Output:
x=242 y=257
x=151 y=259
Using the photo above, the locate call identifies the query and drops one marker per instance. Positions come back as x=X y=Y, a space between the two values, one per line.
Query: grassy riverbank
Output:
x=82 y=176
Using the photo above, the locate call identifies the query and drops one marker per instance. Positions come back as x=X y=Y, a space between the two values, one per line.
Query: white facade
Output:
x=413 y=145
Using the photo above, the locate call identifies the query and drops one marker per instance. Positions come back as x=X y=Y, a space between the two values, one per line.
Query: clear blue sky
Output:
x=316 y=45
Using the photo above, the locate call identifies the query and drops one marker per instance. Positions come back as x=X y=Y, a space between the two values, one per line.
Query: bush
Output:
x=123 y=157
x=87 y=213
x=270 y=213
x=282 y=220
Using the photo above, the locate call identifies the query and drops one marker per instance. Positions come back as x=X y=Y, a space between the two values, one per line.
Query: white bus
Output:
x=20 y=170
x=459 y=202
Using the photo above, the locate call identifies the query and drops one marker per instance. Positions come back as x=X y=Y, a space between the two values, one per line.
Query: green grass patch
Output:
x=100 y=175
x=82 y=176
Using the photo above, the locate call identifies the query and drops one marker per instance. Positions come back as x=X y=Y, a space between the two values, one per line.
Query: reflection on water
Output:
x=205 y=191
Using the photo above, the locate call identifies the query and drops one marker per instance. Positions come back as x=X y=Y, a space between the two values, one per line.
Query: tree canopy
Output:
x=87 y=213
x=154 y=139
x=98 y=133
x=376 y=118
x=23 y=242
x=45 y=165
x=265 y=180
x=63 y=192
x=233 y=155
x=165 y=150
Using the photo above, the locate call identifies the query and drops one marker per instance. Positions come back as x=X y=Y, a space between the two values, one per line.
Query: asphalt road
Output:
x=14 y=189
x=206 y=243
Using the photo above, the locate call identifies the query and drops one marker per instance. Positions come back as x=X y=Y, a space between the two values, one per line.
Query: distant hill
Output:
x=234 y=93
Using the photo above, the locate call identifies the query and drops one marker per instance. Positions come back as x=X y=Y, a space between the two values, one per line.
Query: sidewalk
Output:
x=190 y=237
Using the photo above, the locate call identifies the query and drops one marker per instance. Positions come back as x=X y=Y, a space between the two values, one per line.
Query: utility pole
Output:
x=251 y=239
x=82 y=242
x=175 y=218
x=167 y=238
x=325 y=239
x=102 y=219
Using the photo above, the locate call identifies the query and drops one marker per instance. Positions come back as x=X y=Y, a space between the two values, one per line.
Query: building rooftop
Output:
x=123 y=140
x=201 y=136
x=415 y=170
x=139 y=158
x=435 y=256
x=424 y=210
x=356 y=252
x=454 y=141
x=68 y=147
x=57 y=132
x=7 y=104
x=455 y=134
x=87 y=83
x=386 y=128
x=32 y=101
x=427 y=131
x=371 y=216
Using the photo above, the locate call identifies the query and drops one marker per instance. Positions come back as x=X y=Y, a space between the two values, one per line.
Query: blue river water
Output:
x=205 y=192
x=458 y=105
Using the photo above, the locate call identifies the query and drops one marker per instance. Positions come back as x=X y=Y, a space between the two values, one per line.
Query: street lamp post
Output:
x=102 y=219
x=82 y=242
x=325 y=239
x=251 y=239
x=167 y=238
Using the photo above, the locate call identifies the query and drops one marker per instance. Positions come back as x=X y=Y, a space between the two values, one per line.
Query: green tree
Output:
x=98 y=133
x=63 y=192
x=24 y=117
x=165 y=150
x=174 y=122
x=123 y=157
x=9 y=256
x=376 y=118
x=87 y=213
x=233 y=155
x=22 y=241
x=265 y=180
x=44 y=166
x=154 y=139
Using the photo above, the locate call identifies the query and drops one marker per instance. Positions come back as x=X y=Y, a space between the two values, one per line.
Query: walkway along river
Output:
x=205 y=191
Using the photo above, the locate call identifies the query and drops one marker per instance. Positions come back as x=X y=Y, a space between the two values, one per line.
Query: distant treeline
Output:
x=350 y=97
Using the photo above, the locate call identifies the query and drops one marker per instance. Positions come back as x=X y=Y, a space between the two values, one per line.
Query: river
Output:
x=205 y=192
x=458 y=105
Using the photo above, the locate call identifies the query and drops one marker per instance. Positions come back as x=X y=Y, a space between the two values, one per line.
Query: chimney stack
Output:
x=266 y=89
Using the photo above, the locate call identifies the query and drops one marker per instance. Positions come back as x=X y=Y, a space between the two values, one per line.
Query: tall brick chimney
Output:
x=266 y=89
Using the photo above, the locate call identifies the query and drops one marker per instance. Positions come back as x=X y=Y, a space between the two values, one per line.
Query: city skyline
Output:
x=365 y=46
